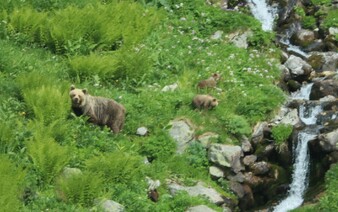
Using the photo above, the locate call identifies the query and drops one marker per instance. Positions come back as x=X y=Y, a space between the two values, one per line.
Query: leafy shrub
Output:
x=79 y=189
x=281 y=132
x=11 y=184
x=116 y=167
x=48 y=103
x=48 y=158
x=158 y=147
x=237 y=125
x=197 y=155
x=329 y=202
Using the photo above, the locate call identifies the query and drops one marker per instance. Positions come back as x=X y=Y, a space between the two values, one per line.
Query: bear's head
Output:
x=78 y=96
x=213 y=103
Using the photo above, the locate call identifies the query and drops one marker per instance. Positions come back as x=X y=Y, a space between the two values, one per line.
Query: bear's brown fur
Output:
x=204 y=102
x=211 y=82
x=101 y=111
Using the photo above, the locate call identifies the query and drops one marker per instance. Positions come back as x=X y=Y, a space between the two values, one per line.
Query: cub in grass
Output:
x=204 y=102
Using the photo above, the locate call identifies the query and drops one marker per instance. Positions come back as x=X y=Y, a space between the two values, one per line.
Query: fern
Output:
x=116 y=167
x=48 y=157
x=80 y=188
x=11 y=179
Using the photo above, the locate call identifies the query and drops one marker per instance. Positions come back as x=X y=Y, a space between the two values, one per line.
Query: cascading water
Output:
x=263 y=12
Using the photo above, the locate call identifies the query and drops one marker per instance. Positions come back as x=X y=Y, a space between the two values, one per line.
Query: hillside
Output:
x=147 y=55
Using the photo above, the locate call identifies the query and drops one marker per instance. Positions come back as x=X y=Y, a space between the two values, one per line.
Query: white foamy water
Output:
x=303 y=92
x=308 y=115
x=299 y=176
x=263 y=12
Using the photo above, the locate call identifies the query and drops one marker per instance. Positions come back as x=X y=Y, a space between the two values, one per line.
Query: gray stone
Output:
x=216 y=172
x=249 y=160
x=69 y=172
x=258 y=132
x=182 y=132
x=200 y=208
x=142 y=131
x=260 y=168
x=298 y=66
x=246 y=145
x=226 y=156
x=206 y=138
x=211 y=194
x=111 y=206
x=329 y=141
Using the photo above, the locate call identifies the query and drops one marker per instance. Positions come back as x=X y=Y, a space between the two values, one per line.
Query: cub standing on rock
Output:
x=101 y=111
x=210 y=82
x=204 y=102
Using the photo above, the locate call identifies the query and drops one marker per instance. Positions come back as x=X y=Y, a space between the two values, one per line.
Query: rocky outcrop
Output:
x=324 y=88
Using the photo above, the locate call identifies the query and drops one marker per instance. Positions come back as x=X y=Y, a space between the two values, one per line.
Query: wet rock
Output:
x=303 y=37
x=323 y=61
x=324 y=88
x=291 y=118
x=329 y=141
x=298 y=66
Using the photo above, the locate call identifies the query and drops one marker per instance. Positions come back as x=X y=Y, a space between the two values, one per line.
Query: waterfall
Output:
x=308 y=114
x=303 y=92
x=299 y=176
x=264 y=13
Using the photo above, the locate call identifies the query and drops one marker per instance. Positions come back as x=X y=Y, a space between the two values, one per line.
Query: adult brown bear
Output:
x=101 y=111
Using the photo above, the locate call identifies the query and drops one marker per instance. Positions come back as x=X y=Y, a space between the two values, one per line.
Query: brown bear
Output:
x=101 y=111
x=204 y=102
x=210 y=82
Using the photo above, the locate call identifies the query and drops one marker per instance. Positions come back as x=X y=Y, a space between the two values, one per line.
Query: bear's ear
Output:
x=72 y=87
x=85 y=91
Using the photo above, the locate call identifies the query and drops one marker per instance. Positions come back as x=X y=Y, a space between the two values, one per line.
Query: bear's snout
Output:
x=76 y=101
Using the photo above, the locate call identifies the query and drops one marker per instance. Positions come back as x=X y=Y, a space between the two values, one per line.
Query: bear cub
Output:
x=101 y=111
x=204 y=102
x=211 y=82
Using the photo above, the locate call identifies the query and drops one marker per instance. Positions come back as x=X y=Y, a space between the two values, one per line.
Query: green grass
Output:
x=129 y=55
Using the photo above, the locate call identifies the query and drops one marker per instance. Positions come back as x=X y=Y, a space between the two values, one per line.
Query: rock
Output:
x=182 y=132
x=239 y=177
x=260 y=168
x=226 y=156
x=69 y=172
x=244 y=192
x=110 y=206
x=170 y=87
x=197 y=190
x=249 y=160
x=303 y=37
x=206 y=138
x=258 y=132
x=246 y=145
x=152 y=184
x=329 y=141
x=324 y=88
x=142 y=131
x=217 y=35
x=215 y=172
x=291 y=118
x=239 y=38
x=200 y=208
x=298 y=66
x=323 y=61
x=286 y=76
x=317 y=45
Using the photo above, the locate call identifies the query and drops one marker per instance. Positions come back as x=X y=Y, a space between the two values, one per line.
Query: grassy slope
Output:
x=40 y=134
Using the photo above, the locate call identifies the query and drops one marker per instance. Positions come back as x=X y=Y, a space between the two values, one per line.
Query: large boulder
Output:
x=298 y=67
x=198 y=190
x=329 y=141
x=226 y=156
x=322 y=88
x=182 y=131
x=303 y=37
x=323 y=61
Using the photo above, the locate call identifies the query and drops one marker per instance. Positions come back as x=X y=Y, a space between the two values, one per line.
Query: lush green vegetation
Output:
x=128 y=51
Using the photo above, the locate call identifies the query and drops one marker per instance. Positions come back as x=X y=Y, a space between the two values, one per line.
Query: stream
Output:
x=307 y=113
